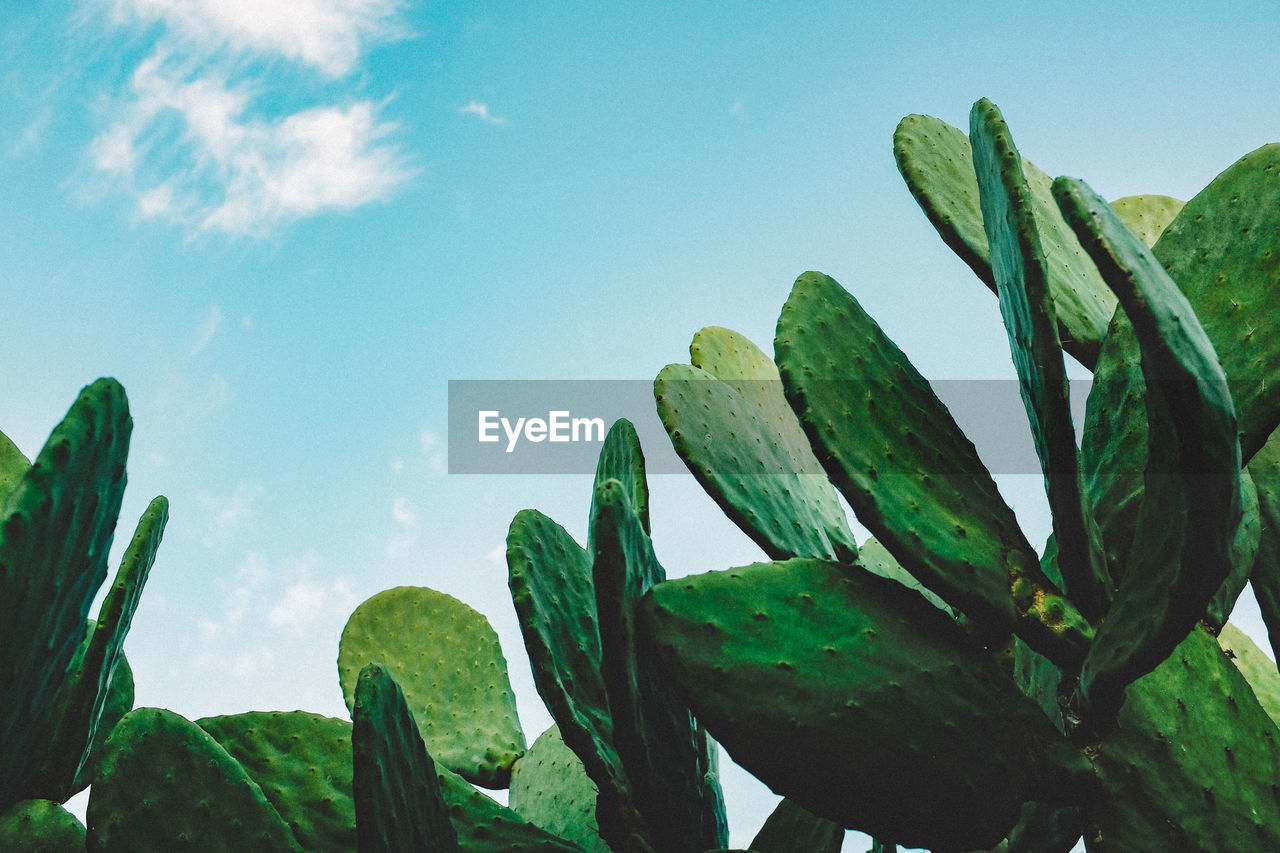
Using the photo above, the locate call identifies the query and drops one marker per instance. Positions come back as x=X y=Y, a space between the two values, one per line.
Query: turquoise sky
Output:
x=285 y=226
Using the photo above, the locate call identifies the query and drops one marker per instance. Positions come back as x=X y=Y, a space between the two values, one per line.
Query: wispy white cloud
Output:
x=328 y=35
x=208 y=328
x=191 y=137
x=226 y=514
x=481 y=111
x=405 y=516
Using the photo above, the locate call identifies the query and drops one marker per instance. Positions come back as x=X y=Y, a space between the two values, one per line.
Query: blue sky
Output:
x=286 y=226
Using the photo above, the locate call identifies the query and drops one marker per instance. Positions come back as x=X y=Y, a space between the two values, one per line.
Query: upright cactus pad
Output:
x=550 y=788
x=56 y=527
x=399 y=808
x=1147 y=215
x=447 y=660
x=40 y=826
x=912 y=477
x=937 y=163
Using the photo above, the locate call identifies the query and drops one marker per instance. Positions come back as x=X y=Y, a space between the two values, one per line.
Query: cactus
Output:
x=943 y=683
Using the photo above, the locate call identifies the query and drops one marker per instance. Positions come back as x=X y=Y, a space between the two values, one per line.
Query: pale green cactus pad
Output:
x=550 y=788
x=730 y=423
x=1147 y=215
x=447 y=660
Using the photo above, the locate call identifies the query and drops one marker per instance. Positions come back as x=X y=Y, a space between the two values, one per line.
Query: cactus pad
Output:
x=397 y=793
x=936 y=161
x=40 y=826
x=447 y=660
x=165 y=784
x=793 y=829
x=1188 y=521
x=1021 y=270
x=550 y=788
x=55 y=532
x=912 y=477
x=1147 y=215
x=1192 y=764
x=858 y=700
x=302 y=763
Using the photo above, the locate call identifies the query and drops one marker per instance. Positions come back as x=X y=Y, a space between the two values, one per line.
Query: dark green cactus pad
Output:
x=555 y=601
x=912 y=477
x=447 y=660
x=1264 y=470
x=40 y=826
x=793 y=829
x=1188 y=520
x=1147 y=215
x=1244 y=551
x=1044 y=829
x=165 y=784
x=89 y=681
x=1257 y=669
x=398 y=804
x=622 y=459
x=550 y=788
x=662 y=749
x=860 y=701
x=302 y=763
x=1192 y=764
x=55 y=534
x=730 y=423
x=936 y=161
x=1021 y=270
x=120 y=695
x=1230 y=233
x=485 y=826
x=13 y=464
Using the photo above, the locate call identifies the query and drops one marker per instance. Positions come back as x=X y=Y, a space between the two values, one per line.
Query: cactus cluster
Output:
x=942 y=684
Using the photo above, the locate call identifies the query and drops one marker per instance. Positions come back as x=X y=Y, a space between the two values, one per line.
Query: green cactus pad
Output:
x=622 y=459
x=550 y=788
x=730 y=423
x=793 y=829
x=912 y=477
x=55 y=534
x=1044 y=829
x=89 y=680
x=555 y=601
x=1189 y=518
x=1264 y=470
x=120 y=695
x=1192 y=763
x=448 y=662
x=936 y=161
x=1223 y=250
x=1147 y=215
x=485 y=826
x=40 y=826
x=859 y=700
x=1257 y=669
x=1244 y=551
x=302 y=763
x=1021 y=270
x=13 y=464
x=399 y=808
x=165 y=784
x=662 y=749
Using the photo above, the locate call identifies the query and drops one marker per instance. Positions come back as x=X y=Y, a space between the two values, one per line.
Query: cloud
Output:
x=405 y=515
x=226 y=515
x=208 y=328
x=308 y=604
x=192 y=136
x=481 y=111
x=327 y=35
